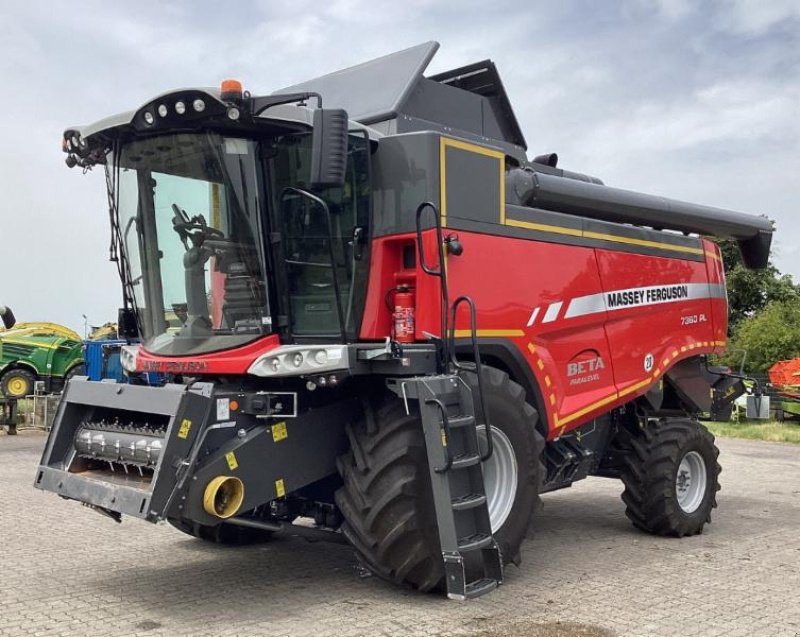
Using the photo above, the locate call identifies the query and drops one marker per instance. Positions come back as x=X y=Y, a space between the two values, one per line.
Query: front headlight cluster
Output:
x=300 y=360
x=179 y=107
x=128 y=354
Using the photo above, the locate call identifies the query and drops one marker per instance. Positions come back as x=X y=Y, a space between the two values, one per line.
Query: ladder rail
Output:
x=446 y=427
x=476 y=354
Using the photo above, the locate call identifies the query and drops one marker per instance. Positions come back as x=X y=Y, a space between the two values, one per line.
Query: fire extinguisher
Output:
x=403 y=314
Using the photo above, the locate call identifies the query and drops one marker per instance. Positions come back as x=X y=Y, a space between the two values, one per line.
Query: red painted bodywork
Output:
x=230 y=361
x=584 y=365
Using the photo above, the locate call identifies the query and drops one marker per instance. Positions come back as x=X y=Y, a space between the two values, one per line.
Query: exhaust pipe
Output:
x=223 y=496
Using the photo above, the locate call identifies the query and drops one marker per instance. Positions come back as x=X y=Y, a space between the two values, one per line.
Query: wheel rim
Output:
x=17 y=386
x=690 y=482
x=500 y=476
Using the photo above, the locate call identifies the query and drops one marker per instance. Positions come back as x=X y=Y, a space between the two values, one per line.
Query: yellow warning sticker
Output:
x=186 y=425
x=279 y=431
x=444 y=438
x=280 y=488
x=231 y=458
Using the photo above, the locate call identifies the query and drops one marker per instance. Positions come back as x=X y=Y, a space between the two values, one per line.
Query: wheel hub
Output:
x=17 y=386
x=690 y=482
x=500 y=476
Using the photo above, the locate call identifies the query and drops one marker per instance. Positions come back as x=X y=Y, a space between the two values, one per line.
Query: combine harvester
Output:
x=377 y=312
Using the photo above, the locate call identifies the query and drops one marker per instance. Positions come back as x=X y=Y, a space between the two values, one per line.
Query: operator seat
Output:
x=244 y=299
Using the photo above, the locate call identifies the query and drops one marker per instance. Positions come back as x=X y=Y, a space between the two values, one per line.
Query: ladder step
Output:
x=469 y=501
x=480 y=587
x=460 y=421
x=474 y=542
x=465 y=460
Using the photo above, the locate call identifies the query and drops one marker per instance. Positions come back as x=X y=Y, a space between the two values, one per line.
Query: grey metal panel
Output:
x=372 y=91
x=483 y=79
x=472 y=185
x=159 y=400
x=409 y=124
x=451 y=106
x=114 y=497
x=405 y=173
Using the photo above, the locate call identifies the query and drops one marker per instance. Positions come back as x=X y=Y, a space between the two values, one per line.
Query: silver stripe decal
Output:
x=642 y=297
x=552 y=312
x=532 y=319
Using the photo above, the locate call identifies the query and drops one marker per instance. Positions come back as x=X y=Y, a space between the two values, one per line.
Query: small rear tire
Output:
x=671 y=478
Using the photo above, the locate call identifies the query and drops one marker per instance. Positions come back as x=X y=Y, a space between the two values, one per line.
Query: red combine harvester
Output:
x=383 y=316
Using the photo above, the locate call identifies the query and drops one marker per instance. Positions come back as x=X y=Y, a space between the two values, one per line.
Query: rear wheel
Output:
x=223 y=533
x=17 y=383
x=671 y=478
x=386 y=499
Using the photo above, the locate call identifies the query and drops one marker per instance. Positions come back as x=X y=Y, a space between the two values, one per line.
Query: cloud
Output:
x=691 y=100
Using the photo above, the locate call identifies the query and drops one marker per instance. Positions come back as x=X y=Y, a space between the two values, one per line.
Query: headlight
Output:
x=128 y=356
x=300 y=360
x=180 y=108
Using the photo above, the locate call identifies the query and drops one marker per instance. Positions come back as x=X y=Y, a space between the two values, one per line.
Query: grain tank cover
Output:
x=393 y=88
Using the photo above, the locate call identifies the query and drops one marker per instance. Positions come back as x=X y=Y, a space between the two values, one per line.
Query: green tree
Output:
x=773 y=335
x=750 y=291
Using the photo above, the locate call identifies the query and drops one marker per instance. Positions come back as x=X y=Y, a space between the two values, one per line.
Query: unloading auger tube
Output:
x=531 y=188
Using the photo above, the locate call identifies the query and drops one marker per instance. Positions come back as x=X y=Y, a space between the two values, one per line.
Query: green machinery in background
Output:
x=31 y=352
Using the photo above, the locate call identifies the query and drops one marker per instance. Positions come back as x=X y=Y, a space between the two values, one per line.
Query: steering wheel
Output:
x=193 y=228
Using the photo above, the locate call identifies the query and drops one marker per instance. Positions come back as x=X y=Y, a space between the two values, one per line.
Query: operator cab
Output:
x=232 y=228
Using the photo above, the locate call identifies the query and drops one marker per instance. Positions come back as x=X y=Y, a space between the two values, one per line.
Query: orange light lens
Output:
x=231 y=86
x=234 y=405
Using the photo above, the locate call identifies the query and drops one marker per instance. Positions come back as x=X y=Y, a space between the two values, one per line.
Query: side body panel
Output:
x=599 y=310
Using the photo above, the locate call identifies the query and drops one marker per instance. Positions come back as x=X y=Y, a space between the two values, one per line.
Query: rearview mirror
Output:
x=329 y=148
x=127 y=325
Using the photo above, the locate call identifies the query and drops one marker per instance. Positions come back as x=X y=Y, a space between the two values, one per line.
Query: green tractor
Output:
x=31 y=352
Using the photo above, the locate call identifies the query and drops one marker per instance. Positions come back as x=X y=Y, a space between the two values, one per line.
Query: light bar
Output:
x=301 y=360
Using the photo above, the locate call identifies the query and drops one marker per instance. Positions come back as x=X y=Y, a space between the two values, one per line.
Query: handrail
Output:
x=473 y=321
x=441 y=272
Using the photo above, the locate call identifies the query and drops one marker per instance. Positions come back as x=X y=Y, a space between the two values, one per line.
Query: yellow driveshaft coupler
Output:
x=223 y=496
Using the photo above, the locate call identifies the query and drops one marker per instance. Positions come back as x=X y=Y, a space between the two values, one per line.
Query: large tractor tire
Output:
x=223 y=533
x=386 y=500
x=17 y=383
x=671 y=478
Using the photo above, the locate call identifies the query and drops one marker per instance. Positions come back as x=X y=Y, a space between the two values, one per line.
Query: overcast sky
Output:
x=693 y=100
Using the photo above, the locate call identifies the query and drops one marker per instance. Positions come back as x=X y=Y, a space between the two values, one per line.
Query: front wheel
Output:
x=386 y=500
x=671 y=478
